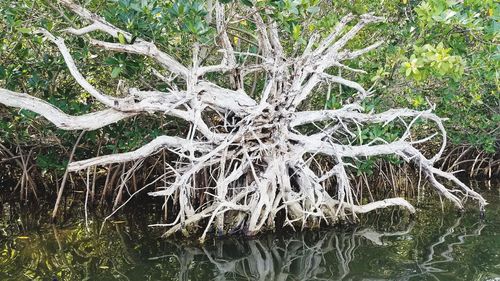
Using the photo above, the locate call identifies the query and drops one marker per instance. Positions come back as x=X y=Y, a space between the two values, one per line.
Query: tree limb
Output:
x=90 y=121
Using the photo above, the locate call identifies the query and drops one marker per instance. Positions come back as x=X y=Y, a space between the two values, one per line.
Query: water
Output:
x=435 y=245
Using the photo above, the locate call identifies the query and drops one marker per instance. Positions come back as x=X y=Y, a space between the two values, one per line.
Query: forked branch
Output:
x=254 y=157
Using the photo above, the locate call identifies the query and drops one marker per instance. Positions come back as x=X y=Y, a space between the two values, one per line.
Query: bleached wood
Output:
x=89 y=121
x=256 y=158
x=105 y=99
x=147 y=150
x=146 y=49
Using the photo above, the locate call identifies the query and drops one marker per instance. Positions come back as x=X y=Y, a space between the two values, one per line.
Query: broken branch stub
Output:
x=257 y=157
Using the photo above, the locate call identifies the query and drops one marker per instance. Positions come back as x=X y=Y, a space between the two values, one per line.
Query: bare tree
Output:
x=259 y=160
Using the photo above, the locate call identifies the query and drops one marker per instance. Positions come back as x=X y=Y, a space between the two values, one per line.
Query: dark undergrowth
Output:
x=117 y=190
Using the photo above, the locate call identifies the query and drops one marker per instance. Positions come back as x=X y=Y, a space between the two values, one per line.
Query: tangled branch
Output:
x=258 y=161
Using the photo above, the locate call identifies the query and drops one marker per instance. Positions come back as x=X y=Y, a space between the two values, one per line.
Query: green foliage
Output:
x=435 y=51
x=462 y=14
x=439 y=52
x=433 y=61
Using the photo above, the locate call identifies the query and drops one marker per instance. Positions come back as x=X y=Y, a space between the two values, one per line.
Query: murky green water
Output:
x=435 y=245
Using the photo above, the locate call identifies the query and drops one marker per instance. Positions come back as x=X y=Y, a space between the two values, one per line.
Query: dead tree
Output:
x=261 y=164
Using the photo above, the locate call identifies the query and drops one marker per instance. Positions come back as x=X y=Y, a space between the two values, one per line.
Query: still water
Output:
x=436 y=245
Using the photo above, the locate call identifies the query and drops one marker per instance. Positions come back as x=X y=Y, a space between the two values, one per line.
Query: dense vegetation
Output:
x=443 y=52
x=435 y=53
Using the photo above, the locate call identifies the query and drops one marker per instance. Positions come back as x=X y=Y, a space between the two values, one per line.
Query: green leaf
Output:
x=116 y=71
x=3 y=74
x=247 y=2
x=296 y=32
x=121 y=38
x=24 y=30
x=448 y=14
x=136 y=7
x=313 y=10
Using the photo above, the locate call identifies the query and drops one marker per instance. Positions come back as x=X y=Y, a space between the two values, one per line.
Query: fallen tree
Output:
x=258 y=158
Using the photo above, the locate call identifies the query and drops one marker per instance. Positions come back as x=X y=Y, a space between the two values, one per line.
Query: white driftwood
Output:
x=147 y=150
x=90 y=121
x=257 y=161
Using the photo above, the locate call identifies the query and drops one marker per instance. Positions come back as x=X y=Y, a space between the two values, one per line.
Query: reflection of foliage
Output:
x=431 y=248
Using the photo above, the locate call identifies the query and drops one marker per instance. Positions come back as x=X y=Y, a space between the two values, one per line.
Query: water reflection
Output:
x=314 y=256
x=433 y=259
x=434 y=246
x=307 y=256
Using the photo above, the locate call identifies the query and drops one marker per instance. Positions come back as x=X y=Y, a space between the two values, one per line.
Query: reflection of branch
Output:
x=376 y=236
x=306 y=256
x=427 y=267
x=268 y=259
